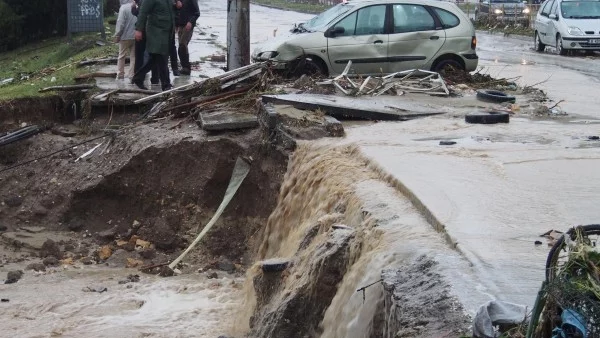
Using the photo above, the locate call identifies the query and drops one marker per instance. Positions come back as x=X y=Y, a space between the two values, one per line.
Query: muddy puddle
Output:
x=55 y=304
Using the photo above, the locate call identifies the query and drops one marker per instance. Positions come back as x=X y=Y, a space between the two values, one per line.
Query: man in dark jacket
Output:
x=156 y=18
x=140 y=47
x=185 y=21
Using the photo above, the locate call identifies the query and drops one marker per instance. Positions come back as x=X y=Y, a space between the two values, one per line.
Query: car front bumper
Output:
x=584 y=43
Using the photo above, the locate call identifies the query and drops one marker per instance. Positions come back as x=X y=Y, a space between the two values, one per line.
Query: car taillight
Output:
x=473 y=42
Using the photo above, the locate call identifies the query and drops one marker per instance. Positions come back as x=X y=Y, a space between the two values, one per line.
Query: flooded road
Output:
x=501 y=186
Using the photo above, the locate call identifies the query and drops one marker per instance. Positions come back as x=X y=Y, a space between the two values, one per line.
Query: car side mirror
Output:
x=335 y=31
x=553 y=17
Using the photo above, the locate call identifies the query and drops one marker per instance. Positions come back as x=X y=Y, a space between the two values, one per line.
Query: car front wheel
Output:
x=559 y=46
x=539 y=46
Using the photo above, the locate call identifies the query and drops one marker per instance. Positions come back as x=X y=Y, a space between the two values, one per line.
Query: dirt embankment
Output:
x=153 y=181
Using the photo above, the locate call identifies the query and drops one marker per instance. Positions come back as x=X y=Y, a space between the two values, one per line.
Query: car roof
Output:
x=436 y=3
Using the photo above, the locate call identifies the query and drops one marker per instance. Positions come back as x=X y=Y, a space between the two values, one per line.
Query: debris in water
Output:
x=447 y=143
x=98 y=289
x=367 y=286
x=274 y=265
x=13 y=276
x=538 y=242
x=130 y=279
x=5 y=300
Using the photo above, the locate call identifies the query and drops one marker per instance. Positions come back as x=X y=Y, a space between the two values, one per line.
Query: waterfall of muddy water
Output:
x=339 y=224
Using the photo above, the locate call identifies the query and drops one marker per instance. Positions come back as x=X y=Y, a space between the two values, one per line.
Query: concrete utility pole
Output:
x=238 y=33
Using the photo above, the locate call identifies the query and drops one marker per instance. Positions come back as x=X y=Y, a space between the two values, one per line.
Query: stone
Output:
x=129 y=247
x=75 y=225
x=13 y=276
x=212 y=275
x=87 y=260
x=225 y=265
x=143 y=244
x=98 y=289
x=166 y=271
x=36 y=267
x=50 y=261
x=3 y=228
x=134 y=263
x=148 y=253
x=104 y=252
x=136 y=224
x=50 y=248
x=39 y=211
x=13 y=201
x=67 y=261
x=107 y=235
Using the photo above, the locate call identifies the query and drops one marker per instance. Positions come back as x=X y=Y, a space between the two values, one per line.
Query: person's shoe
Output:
x=154 y=82
x=176 y=72
x=139 y=84
x=120 y=77
x=167 y=87
x=185 y=71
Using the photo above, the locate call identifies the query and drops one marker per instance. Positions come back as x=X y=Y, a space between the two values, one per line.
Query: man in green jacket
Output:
x=157 y=18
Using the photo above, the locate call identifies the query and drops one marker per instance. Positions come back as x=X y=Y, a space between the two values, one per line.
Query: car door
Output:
x=542 y=21
x=552 y=27
x=364 y=41
x=415 y=38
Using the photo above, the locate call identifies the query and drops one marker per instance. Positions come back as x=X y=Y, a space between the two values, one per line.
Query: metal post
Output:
x=238 y=33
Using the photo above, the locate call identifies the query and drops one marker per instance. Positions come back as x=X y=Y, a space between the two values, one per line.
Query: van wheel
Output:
x=559 y=46
x=539 y=46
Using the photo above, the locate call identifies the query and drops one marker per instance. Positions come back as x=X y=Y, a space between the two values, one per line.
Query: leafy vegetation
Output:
x=51 y=62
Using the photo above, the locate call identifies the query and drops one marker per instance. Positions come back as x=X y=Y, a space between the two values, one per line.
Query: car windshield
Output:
x=326 y=17
x=580 y=9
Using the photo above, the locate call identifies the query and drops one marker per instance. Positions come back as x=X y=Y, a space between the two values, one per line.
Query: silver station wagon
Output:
x=379 y=37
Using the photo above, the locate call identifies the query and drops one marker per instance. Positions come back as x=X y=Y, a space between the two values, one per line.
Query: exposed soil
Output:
x=150 y=181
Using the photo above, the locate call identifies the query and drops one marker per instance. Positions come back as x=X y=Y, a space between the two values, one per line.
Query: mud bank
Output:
x=338 y=226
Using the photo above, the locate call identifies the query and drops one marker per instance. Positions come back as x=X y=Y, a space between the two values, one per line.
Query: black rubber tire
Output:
x=495 y=96
x=310 y=67
x=559 y=46
x=537 y=43
x=491 y=117
x=441 y=65
x=19 y=134
x=591 y=229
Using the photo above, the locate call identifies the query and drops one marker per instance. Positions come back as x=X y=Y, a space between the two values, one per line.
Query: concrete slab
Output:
x=227 y=120
x=370 y=108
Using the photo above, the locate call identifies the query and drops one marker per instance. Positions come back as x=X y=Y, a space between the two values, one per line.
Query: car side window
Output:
x=412 y=18
x=546 y=8
x=371 y=20
x=349 y=25
x=448 y=19
x=553 y=9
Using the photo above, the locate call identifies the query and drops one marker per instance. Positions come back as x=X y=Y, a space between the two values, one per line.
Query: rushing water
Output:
x=328 y=184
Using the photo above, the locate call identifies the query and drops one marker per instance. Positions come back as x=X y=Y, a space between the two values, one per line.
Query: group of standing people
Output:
x=146 y=31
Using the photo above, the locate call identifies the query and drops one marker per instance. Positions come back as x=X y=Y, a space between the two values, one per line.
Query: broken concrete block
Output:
x=227 y=121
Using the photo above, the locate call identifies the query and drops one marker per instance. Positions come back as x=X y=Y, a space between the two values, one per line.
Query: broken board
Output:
x=227 y=121
x=369 y=108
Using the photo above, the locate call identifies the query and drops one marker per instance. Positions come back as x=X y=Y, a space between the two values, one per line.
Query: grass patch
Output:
x=35 y=65
x=292 y=6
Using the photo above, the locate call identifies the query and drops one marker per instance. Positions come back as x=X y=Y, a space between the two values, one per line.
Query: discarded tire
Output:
x=19 y=134
x=495 y=96
x=491 y=117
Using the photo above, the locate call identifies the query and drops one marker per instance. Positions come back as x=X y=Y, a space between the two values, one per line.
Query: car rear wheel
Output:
x=447 y=65
x=559 y=46
x=539 y=46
